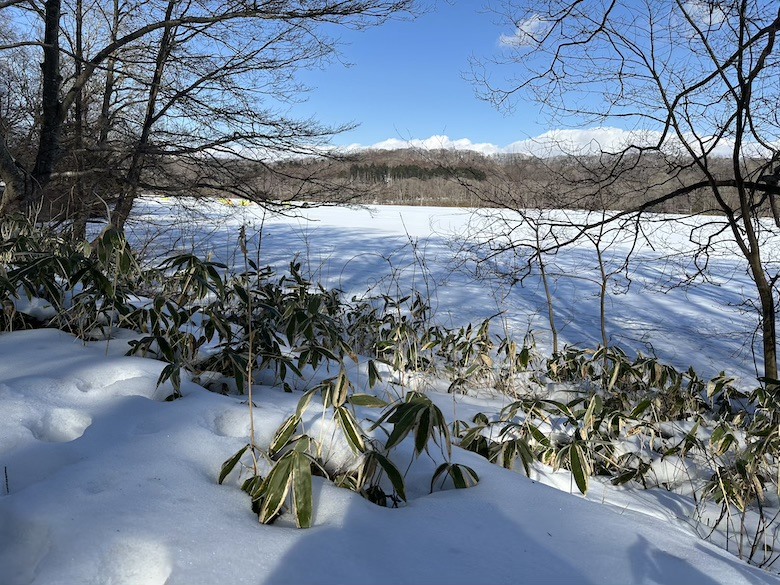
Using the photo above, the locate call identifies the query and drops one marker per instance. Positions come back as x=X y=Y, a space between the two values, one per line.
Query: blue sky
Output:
x=406 y=81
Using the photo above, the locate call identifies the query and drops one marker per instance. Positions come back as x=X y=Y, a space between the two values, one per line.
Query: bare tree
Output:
x=693 y=83
x=131 y=90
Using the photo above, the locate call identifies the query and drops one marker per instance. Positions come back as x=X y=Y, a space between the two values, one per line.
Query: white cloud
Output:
x=598 y=140
x=603 y=139
x=435 y=142
x=527 y=34
x=551 y=143
x=704 y=13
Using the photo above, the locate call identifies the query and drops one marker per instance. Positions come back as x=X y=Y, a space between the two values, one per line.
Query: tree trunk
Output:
x=14 y=177
x=51 y=107
x=79 y=206
x=23 y=189
x=124 y=204
x=104 y=121
x=550 y=307
x=768 y=321
x=547 y=294
x=123 y=207
x=603 y=286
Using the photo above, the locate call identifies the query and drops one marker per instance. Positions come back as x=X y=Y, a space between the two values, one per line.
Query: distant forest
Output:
x=384 y=173
x=430 y=177
x=470 y=179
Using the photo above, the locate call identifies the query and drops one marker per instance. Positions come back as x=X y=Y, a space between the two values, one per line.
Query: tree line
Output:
x=383 y=173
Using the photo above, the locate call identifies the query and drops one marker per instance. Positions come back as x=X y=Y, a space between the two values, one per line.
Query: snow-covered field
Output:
x=105 y=482
x=392 y=249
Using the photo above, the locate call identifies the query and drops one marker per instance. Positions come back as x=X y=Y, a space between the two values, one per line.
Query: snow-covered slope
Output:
x=107 y=483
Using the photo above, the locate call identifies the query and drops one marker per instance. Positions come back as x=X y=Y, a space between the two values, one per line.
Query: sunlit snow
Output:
x=106 y=482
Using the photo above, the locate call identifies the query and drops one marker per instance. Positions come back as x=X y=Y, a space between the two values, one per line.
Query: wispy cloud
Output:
x=527 y=34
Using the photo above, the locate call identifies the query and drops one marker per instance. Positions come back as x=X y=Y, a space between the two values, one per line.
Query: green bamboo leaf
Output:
x=283 y=434
x=429 y=345
x=727 y=442
x=458 y=479
x=228 y=465
x=165 y=348
x=717 y=434
x=285 y=363
x=327 y=389
x=481 y=419
x=395 y=477
x=562 y=409
x=253 y=486
x=470 y=370
x=441 y=469
x=242 y=294
x=471 y=435
x=327 y=353
x=239 y=365
x=624 y=477
x=342 y=388
x=525 y=357
x=275 y=488
x=479 y=445
x=538 y=435
x=463 y=476
x=423 y=431
x=613 y=378
x=290 y=331
x=594 y=409
x=526 y=455
x=385 y=416
x=304 y=444
x=304 y=402
x=440 y=423
x=578 y=468
x=301 y=490
x=506 y=452
x=366 y=401
x=403 y=424
x=351 y=429
x=640 y=408
x=373 y=374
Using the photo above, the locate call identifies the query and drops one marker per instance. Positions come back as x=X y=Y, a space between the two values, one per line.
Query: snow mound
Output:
x=60 y=425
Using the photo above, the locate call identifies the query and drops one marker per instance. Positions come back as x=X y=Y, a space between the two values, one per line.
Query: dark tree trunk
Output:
x=23 y=189
x=14 y=177
x=51 y=107
x=768 y=321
